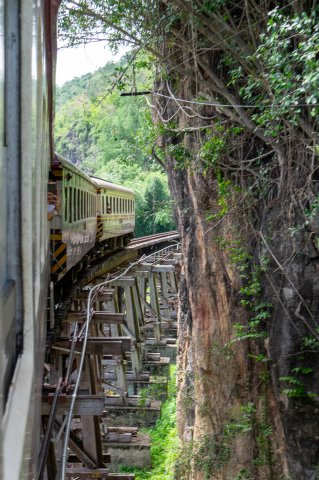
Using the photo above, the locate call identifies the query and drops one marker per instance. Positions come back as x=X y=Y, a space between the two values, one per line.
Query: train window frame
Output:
x=70 y=205
x=87 y=205
x=65 y=210
x=74 y=204
x=81 y=203
x=78 y=205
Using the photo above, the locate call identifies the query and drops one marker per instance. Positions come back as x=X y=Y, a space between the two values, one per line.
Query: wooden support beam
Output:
x=105 y=295
x=124 y=282
x=124 y=437
x=75 y=446
x=157 y=268
x=84 y=405
x=132 y=430
x=133 y=400
x=97 y=473
x=87 y=472
x=99 y=345
x=72 y=458
x=131 y=377
x=51 y=463
x=97 y=317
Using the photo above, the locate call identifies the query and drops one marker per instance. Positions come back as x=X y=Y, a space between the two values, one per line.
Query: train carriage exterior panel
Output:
x=26 y=101
x=115 y=211
x=94 y=215
x=73 y=231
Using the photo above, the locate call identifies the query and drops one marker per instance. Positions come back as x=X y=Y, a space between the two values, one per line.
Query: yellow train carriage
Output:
x=73 y=230
x=115 y=213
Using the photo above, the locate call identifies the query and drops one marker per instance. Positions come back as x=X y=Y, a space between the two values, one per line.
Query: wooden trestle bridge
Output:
x=115 y=339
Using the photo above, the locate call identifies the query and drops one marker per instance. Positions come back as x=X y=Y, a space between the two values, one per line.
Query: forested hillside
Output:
x=235 y=104
x=109 y=136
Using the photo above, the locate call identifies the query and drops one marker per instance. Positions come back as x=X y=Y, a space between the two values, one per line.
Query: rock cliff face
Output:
x=245 y=406
x=244 y=177
x=248 y=337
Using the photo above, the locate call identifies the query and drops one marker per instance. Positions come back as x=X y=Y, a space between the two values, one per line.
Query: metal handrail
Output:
x=85 y=329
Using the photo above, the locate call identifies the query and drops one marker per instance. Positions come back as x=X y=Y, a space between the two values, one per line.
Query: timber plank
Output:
x=84 y=405
x=98 y=345
x=97 y=317
x=97 y=473
x=72 y=458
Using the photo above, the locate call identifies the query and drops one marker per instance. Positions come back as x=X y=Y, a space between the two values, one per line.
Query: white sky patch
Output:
x=77 y=61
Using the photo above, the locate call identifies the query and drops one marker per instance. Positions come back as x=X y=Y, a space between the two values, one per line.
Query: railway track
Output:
x=150 y=240
x=92 y=289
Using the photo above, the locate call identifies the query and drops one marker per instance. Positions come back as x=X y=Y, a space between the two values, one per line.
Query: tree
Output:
x=235 y=110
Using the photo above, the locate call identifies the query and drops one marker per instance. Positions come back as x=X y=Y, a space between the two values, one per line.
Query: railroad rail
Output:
x=144 y=242
x=139 y=298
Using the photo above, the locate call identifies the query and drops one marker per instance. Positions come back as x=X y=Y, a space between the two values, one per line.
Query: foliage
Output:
x=112 y=138
x=211 y=452
x=163 y=439
x=236 y=92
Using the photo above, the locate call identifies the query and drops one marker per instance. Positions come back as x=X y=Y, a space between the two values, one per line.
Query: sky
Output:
x=77 y=61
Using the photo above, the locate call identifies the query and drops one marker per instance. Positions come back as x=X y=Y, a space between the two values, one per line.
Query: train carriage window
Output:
x=65 y=204
x=82 y=203
x=75 y=193
x=70 y=205
x=78 y=198
x=86 y=204
x=103 y=205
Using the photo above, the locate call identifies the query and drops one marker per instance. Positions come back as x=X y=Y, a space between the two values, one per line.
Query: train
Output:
x=94 y=216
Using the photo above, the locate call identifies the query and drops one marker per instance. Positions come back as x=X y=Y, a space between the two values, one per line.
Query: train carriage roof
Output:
x=97 y=182
x=111 y=186
x=73 y=168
